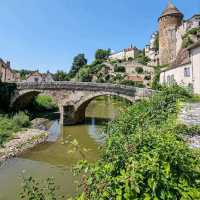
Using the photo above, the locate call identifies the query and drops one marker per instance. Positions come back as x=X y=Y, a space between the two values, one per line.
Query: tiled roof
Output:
x=171 y=10
x=135 y=78
x=182 y=58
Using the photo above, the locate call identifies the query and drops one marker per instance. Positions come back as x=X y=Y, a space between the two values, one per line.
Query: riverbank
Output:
x=26 y=139
x=21 y=142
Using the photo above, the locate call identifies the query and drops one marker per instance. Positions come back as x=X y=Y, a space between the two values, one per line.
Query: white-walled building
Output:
x=125 y=54
x=151 y=50
x=37 y=77
x=185 y=71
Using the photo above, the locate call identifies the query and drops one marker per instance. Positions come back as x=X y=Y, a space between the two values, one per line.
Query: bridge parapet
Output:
x=74 y=97
x=87 y=86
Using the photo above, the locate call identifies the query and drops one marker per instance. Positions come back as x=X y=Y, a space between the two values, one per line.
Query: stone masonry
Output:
x=190 y=115
x=73 y=98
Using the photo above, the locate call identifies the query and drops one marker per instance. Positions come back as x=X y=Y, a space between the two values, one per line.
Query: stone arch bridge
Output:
x=73 y=97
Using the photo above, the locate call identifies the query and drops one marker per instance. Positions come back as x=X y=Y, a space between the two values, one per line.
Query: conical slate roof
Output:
x=171 y=10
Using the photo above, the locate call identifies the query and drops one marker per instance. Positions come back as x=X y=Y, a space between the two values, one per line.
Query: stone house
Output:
x=125 y=54
x=7 y=74
x=37 y=77
x=151 y=50
x=185 y=71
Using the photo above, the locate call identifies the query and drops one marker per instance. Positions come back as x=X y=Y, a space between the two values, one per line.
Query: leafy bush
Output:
x=130 y=59
x=139 y=70
x=34 y=190
x=147 y=77
x=119 y=69
x=132 y=83
x=193 y=31
x=84 y=74
x=187 y=41
x=61 y=76
x=141 y=58
x=143 y=157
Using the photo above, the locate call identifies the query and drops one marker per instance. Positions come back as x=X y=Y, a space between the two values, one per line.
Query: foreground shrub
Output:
x=144 y=158
x=34 y=190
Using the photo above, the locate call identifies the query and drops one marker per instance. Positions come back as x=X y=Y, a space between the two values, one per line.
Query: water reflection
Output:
x=65 y=146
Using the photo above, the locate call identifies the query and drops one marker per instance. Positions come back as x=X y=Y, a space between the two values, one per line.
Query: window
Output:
x=36 y=80
x=187 y=72
x=170 y=79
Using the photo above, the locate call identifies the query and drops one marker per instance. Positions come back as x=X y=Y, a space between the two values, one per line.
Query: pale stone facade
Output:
x=151 y=50
x=37 y=77
x=7 y=74
x=186 y=74
x=195 y=60
x=125 y=54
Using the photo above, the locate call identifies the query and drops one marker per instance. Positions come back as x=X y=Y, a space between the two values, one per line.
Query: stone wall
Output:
x=73 y=97
x=167 y=38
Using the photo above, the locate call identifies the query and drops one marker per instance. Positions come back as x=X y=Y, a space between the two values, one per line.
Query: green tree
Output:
x=61 y=76
x=139 y=70
x=23 y=73
x=102 y=54
x=78 y=62
x=84 y=74
x=119 y=69
x=141 y=58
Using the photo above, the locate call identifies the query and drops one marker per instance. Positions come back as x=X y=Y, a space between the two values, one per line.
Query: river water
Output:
x=65 y=146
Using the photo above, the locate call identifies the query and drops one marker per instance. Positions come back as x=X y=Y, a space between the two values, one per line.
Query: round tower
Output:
x=169 y=21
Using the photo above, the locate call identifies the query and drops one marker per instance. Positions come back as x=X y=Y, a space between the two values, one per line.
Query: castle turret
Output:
x=169 y=21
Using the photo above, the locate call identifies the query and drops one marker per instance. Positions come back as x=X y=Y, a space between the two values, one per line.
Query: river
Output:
x=65 y=146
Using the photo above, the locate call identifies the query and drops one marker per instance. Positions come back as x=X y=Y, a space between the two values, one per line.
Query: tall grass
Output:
x=11 y=125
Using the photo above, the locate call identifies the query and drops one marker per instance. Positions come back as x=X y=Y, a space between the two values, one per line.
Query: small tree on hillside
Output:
x=61 y=76
x=139 y=70
x=78 y=62
x=102 y=54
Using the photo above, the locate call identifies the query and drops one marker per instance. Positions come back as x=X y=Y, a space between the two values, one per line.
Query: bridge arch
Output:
x=22 y=99
x=72 y=98
x=75 y=113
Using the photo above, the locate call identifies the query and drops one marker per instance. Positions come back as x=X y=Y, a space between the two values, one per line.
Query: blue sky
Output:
x=47 y=34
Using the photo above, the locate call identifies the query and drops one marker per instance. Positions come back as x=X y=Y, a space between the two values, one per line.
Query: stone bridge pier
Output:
x=73 y=98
